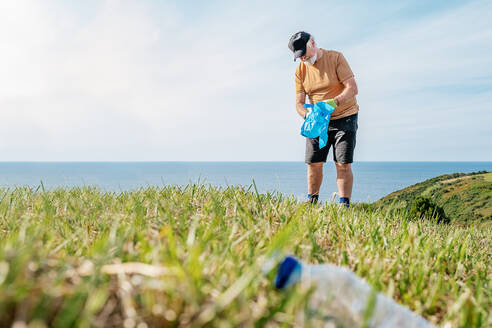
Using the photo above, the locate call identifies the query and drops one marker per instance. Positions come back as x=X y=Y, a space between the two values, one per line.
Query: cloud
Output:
x=429 y=87
x=132 y=80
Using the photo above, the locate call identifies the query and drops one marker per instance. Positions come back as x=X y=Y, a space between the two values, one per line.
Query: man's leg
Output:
x=345 y=180
x=345 y=131
x=315 y=159
x=314 y=177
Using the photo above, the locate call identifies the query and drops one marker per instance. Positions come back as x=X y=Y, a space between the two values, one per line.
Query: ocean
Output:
x=372 y=180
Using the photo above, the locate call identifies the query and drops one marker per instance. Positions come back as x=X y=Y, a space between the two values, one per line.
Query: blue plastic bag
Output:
x=316 y=123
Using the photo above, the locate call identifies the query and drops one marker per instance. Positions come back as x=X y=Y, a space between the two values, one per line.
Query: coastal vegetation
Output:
x=199 y=255
x=464 y=198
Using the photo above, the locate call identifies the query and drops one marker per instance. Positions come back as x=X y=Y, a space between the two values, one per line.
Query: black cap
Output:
x=298 y=42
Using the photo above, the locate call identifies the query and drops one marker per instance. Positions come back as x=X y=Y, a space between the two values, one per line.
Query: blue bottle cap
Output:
x=288 y=273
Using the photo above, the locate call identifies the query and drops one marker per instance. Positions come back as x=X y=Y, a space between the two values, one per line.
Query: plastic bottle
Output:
x=342 y=299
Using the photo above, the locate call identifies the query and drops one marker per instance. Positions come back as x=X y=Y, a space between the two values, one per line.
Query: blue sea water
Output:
x=372 y=180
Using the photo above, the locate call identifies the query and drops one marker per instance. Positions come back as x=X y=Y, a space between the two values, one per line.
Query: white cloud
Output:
x=428 y=87
x=153 y=81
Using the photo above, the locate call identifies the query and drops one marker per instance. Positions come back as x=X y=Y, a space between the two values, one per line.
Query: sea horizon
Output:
x=372 y=179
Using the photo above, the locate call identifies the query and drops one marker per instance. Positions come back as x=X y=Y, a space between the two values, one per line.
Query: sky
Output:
x=214 y=80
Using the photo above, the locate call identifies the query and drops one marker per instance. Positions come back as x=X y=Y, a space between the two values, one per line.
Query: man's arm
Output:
x=300 y=101
x=350 y=90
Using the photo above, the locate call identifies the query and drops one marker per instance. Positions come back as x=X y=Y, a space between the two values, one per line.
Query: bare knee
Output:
x=316 y=165
x=343 y=168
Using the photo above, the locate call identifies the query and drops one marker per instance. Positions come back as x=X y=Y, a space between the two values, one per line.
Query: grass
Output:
x=465 y=198
x=75 y=257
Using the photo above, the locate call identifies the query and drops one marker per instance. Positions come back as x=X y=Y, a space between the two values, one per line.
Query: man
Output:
x=323 y=75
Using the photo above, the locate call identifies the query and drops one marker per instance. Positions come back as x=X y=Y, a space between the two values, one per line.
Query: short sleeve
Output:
x=343 y=69
x=299 y=81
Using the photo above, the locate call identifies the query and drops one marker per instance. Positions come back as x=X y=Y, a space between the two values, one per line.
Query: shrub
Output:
x=423 y=207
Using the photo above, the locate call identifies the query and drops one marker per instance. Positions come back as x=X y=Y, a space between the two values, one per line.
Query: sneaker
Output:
x=313 y=200
x=343 y=205
x=344 y=202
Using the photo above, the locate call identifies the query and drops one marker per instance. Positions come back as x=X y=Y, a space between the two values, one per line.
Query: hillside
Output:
x=465 y=197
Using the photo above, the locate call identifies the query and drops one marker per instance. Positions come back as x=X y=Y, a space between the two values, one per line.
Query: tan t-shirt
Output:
x=323 y=81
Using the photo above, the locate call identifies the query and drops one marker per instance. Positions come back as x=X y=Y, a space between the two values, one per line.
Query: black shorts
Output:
x=341 y=135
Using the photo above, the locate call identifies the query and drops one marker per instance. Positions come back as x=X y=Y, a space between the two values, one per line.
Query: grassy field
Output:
x=193 y=257
x=465 y=197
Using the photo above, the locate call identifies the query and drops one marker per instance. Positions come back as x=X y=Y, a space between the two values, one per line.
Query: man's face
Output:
x=310 y=51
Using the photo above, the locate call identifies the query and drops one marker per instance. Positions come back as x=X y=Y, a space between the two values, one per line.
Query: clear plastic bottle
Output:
x=341 y=299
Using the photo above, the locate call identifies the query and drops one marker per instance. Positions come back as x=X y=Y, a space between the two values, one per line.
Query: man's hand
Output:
x=350 y=90
x=332 y=103
x=300 y=101
x=308 y=109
